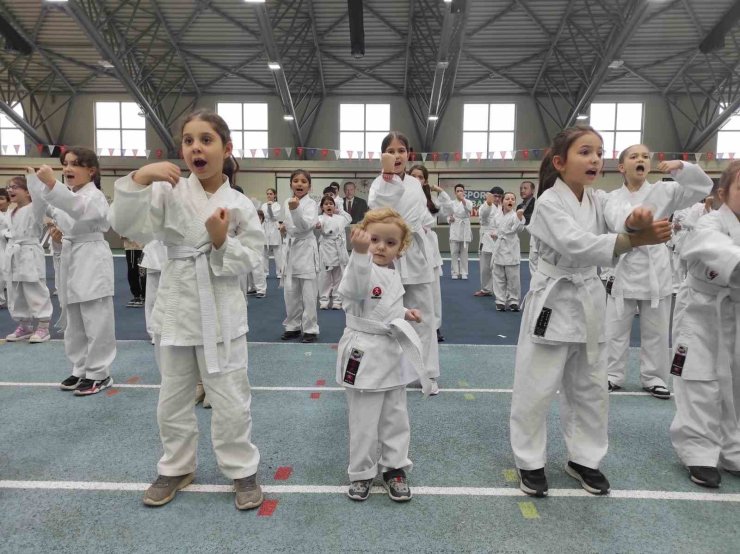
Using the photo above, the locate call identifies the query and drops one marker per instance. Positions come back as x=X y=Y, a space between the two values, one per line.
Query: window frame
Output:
x=243 y=130
x=103 y=151
x=613 y=153
x=365 y=132
x=489 y=153
x=733 y=121
x=11 y=126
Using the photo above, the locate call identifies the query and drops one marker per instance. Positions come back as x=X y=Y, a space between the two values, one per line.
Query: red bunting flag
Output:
x=435 y=156
x=300 y=151
x=525 y=153
x=710 y=156
x=62 y=149
x=685 y=156
x=412 y=156
x=159 y=153
x=458 y=156
x=276 y=151
x=40 y=148
x=324 y=152
x=661 y=156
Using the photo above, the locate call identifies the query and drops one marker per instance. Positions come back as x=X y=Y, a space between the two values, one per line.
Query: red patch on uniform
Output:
x=377 y=292
x=267 y=508
x=711 y=274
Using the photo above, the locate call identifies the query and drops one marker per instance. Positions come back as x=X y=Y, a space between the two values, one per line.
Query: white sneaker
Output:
x=464 y=277
x=435 y=387
x=40 y=335
x=21 y=333
x=455 y=276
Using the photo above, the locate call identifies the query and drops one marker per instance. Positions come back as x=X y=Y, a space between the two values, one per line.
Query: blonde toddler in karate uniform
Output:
x=506 y=255
x=378 y=355
x=199 y=319
x=332 y=253
x=705 y=431
x=561 y=340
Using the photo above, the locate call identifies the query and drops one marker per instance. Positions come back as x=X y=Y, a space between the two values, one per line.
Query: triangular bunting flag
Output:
x=370 y=155
x=110 y=151
x=710 y=156
x=100 y=151
x=148 y=153
x=697 y=156
x=467 y=156
x=652 y=155
x=349 y=154
x=277 y=151
x=17 y=148
x=359 y=154
x=51 y=148
x=503 y=154
x=720 y=155
x=446 y=156
x=423 y=156
x=253 y=151
x=289 y=151
x=337 y=153
x=40 y=148
x=732 y=155
x=479 y=155
x=136 y=152
x=5 y=148
x=265 y=152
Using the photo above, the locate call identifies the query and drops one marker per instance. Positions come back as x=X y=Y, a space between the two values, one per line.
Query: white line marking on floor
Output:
x=502 y=336
x=423 y=491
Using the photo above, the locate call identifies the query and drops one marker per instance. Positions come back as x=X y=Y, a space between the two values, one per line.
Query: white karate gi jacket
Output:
x=332 y=246
x=273 y=214
x=644 y=273
x=460 y=227
x=154 y=256
x=405 y=195
x=506 y=247
x=488 y=220
x=4 y=235
x=302 y=251
x=372 y=298
x=24 y=256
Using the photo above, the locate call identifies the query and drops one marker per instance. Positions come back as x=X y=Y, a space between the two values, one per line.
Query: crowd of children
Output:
x=207 y=245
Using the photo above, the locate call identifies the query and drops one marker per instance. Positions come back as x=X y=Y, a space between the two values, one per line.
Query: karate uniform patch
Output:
x=679 y=359
x=609 y=285
x=542 y=322
x=377 y=293
x=353 y=366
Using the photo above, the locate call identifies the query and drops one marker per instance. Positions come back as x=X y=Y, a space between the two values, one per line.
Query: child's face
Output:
x=459 y=193
x=583 y=164
x=270 y=196
x=732 y=196
x=4 y=203
x=75 y=175
x=509 y=202
x=419 y=174
x=18 y=195
x=497 y=199
x=203 y=150
x=299 y=185
x=328 y=208
x=399 y=150
x=385 y=242
x=636 y=163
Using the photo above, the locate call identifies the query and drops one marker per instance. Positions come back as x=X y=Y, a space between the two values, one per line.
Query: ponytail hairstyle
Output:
x=560 y=146
x=85 y=158
x=729 y=176
x=423 y=169
x=217 y=123
x=303 y=172
x=431 y=206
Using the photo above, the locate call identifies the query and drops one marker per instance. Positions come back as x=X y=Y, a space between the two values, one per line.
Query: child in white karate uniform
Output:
x=377 y=356
x=255 y=282
x=561 y=340
x=4 y=203
x=273 y=241
x=153 y=262
x=705 y=431
x=301 y=261
x=332 y=253
x=506 y=255
x=460 y=233
x=199 y=320
x=25 y=267
x=489 y=212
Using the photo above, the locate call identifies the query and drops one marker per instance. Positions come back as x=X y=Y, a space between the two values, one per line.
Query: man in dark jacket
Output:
x=354 y=206
x=526 y=191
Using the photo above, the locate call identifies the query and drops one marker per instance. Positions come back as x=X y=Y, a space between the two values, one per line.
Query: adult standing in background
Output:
x=526 y=191
x=354 y=206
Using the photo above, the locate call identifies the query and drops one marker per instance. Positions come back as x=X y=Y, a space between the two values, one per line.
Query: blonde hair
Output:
x=388 y=215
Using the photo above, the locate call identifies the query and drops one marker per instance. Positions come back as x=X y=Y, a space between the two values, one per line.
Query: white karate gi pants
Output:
x=437 y=295
x=541 y=370
x=379 y=432
x=90 y=338
x=29 y=300
x=300 y=305
x=3 y=296
x=56 y=259
x=486 y=271
x=328 y=284
x=705 y=430
x=679 y=269
x=654 y=340
x=421 y=297
x=231 y=423
x=256 y=281
x=459 y=255
x=276 y=251
x=152 y=287
x=507 y=286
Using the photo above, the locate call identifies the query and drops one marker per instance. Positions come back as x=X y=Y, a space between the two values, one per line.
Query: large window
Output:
x=248 y=125
x=120 y=129
x=362 y=128
x=12 y=140
x=620 y=124
x=728 y=137
x=489 y=128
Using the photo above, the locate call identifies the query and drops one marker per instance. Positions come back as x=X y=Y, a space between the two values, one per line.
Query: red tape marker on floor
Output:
x=268 y=508
x=321 y=382
x=133 y=380
x=334 y=346
x=315 y=395
x=112 y=392
x=283 y=473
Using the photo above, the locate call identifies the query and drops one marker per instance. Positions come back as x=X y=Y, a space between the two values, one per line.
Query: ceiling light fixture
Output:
x=273 y=65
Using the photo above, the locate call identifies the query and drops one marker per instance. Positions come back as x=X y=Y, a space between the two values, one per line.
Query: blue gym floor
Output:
x=73 y=470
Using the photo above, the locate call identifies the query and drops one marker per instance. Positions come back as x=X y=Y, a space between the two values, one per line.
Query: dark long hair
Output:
x=303 y=172
x=560 y=145
x=85 y=158
x=231 y=166
x=394 y=135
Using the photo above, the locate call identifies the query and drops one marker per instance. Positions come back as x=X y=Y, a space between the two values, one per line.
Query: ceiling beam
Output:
x=709 y=131
x=22 y=124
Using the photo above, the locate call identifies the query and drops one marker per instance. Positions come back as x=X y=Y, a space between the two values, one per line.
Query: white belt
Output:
x=207 y=304
x=65 y=262
x=14 y=246
x=287 y=267
x=399 y=329
x=577 y=276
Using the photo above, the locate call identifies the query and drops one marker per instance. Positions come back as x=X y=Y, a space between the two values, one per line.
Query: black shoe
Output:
x=533 y=481
x=440 y=338
x=90 y=386
x=514 y=308
x=360 y=490
x=613 y=387
x=591 y=480
x=251 y=292
x=290 y=335
x=500 y=307
x=396 y=485
x=658 y=391
x=705 y=476
x=70 y=383
x=309 y=337
x=735 y=472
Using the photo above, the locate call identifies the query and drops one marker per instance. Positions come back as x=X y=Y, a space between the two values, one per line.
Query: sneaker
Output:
x=360 y=490
x=482 y=293
x=164 y=489
x=251 y=292
x=70 y=383
x=323 y=306
x=91 y=386
x=440 y=338
x=139 y=303
x=248 y=493
x=705 y=476
x=21 y=333
x=464 y=277
x=514 y=307
x=40 y=335
x=455 y=277
x=290 y=335
x=396 y=485
x=500 y=308
x=533 y=481
x=133 y=303
x=260 y=295
x=200 y=393
x=613 y=387
x=591 y=480
x=336 y=306
x=435 y=387
x=658 y=391
x=309 y=337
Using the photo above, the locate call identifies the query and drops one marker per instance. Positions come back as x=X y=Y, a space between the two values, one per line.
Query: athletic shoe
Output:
x=248 y=493
x=260 y=295
x=591 y=480
x=139 y=303
x=482 y=293
x=336 y=306
x=323 y=306
x=200 y=393
x=40 y=335
x=440 y=338
x=360 y=490
x=251 y=292
x=21 y=333
x=290 y=335
x=91 y=386
x=133 y=303
x=658 y=391
x=464 y=277
x=500 y=308
x=514 y=307
x=70 y=383
x=435 y=387
x=455 y=277
x=705 y=476
x=309 y=337
x=533 y=481
x=613 y=387
x=164 y=489
x=396 y=485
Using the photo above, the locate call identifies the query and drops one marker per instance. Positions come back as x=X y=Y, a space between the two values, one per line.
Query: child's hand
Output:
x=670 y=165
x=160 y=171
x=293 y=203
x=388 y=162
x=709 y=204
x=640 y=218
x=46 y=176
x=520 y=215
x=413 y=314
x=436 y=188
x=55 y=233
x=360 y=240
x=218 y=226
x=656 y=233
x=283 y=230
x=451 y=219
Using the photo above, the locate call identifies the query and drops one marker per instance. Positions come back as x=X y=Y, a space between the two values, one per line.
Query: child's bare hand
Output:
x=640 y=218
x=520 y=214
x=670 y=165
x=218 y=226
x=160 y=171
x=293 y=203
x=657 y=232
x=709 y=204
x=360 y=240
x=55 y=233
x=46 y=176
x=388 y=162
x=413 y=314
x=489 y=199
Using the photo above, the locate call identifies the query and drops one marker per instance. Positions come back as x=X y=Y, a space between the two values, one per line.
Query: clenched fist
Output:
x=218 y=226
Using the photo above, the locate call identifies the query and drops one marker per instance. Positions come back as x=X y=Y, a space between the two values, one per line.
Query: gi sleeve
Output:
x=385 y=194
x=716 y=251
x=80 y=207
x=690 y=186
x=240 y=253
x=356 y=279
x=138 y=211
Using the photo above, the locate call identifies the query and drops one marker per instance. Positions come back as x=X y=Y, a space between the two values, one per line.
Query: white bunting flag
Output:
x=288 y=151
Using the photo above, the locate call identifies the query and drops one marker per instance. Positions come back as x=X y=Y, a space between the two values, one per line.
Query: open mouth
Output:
x=640 y=168
x=199 y=163
x=592 y=173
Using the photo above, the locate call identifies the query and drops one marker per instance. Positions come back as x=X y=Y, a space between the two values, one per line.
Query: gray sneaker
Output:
x=164 y=489
x=360 y=490
x=396 y=485
x=248 y=493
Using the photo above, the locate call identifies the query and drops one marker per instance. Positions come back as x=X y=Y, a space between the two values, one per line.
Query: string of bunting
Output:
x=303 y=153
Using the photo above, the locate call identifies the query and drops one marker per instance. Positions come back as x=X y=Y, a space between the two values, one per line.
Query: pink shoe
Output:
x=21 y=333
x=40 y=335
